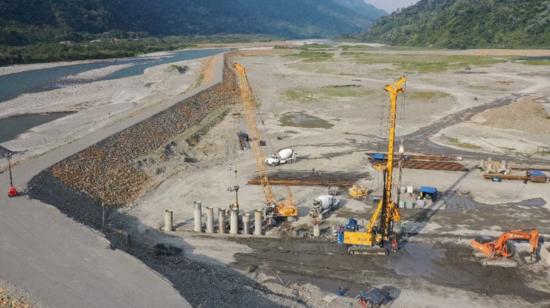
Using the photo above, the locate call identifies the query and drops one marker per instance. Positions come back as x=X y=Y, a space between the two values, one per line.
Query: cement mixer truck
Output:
x=282 y=157
x=322 y=206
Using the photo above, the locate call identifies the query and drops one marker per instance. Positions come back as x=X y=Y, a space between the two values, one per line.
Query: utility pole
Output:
x=12 y=191
x=235 y=188
x=9 y=168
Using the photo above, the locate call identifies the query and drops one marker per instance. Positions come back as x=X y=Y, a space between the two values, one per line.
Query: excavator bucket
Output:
x=488 y=249
x=287 y=208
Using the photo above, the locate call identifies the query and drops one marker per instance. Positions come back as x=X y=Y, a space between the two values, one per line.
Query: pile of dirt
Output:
x=107 y=171
x=525 y=115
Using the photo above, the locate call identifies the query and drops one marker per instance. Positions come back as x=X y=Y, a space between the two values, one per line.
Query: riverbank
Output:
x=95 y=103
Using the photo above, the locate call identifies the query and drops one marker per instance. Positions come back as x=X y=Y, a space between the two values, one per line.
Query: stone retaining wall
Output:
x=106 y=172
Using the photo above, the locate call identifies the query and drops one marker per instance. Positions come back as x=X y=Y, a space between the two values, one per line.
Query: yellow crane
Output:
x=286 y=208
x=379 y=231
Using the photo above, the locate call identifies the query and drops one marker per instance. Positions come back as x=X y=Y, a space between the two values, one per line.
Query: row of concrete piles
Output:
x=236 y=221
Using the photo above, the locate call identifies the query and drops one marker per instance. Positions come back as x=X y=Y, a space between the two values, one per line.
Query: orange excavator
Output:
x=500 y=247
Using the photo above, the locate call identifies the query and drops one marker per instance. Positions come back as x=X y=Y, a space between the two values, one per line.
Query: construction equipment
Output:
x=12 y=191
x=322 y=205
x=502 y=248
x=379 y=231
x=244 y=140
x=358 y=192
x=534 y=176
x=234 y=188
x=282 y=157
x=274 y=210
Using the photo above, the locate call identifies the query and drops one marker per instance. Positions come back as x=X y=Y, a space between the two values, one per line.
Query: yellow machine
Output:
x=379 y=231
x=358 y=192
x=286 y=208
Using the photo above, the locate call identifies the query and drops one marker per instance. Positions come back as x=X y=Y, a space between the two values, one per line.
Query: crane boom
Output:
x=386 y=211
x=286 y=208
x=249 y=103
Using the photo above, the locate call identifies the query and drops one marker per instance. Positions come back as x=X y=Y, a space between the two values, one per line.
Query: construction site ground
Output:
x=331 y=110
x=327 y=103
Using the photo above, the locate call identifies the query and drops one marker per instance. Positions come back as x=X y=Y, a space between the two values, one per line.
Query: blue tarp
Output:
x=428 y=190
x=536 y=173
x=379 y=156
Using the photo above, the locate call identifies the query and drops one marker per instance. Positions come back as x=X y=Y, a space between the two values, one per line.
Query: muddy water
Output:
x=300 y=119
x=325 y=264
x=416 y=260
x=11 y=127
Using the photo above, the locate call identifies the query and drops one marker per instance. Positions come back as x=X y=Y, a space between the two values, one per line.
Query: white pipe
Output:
x=234 y=222
x=198 y=216
x=168 y=221
x=221 y=221
x=209 y=220
x=246 y=223
x=258 y=223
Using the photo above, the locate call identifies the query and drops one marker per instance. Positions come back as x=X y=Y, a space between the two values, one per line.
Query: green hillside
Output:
x=25 y=22
x=467 y=24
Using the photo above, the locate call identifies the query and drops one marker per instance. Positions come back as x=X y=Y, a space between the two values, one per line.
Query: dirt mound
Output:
x=525 y=115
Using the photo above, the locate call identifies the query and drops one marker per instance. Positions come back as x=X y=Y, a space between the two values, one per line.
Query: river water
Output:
x=13 y=85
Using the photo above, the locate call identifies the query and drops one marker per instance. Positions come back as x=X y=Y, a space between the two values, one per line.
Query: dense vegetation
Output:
x=26 y=22
x=467 y=24
x=50 y=30
x=106 y=47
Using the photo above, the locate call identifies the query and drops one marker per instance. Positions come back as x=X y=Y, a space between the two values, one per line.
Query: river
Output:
x=13 y=85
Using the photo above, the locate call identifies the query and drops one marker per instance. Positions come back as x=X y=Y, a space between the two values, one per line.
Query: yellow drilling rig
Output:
x=379 y=234
x=274 y=210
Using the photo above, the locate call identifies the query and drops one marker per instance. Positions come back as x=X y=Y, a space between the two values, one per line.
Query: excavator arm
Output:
x=499 y=247
x=249 y=104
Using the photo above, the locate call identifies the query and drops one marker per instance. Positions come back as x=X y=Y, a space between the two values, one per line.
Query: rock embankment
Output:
x=107 y=171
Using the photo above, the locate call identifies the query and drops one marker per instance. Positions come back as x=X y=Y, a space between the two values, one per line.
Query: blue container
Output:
x=352 y=225
x=340 y=237
x=535 y=173
x=378 y=156
x=428 y=190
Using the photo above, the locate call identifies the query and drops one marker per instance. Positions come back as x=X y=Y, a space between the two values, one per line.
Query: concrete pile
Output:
x=106 y=171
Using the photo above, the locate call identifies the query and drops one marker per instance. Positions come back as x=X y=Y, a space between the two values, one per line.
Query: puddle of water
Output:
x=14 y=126
x=416 y=260
x=300 y=119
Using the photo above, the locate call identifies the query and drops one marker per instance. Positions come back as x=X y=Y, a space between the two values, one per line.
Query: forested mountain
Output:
x=24 y=22
x=467 y=24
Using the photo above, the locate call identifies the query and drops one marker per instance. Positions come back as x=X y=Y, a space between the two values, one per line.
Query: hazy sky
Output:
x=391 y=5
